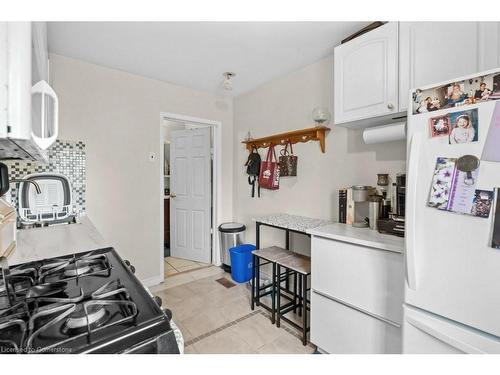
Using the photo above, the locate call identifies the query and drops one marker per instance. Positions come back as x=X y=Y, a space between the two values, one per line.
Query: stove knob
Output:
x=132 y=268
x=168 y=313
x=158 y=300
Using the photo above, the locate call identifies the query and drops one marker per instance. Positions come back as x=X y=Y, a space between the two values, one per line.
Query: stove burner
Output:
x=79 y=319
x=79 y=269
x=85 y=265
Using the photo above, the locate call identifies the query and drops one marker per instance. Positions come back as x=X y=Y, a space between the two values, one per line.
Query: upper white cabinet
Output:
x=374 y=72
x=366 y=75
x=431 y=52
x=28 y=105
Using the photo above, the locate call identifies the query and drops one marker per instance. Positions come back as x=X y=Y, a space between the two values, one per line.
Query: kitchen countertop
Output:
x=292 y=222
x=40 y=243
x=360 y=236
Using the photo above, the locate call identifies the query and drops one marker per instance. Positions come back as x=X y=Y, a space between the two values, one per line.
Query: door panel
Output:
x=180 y=218
x=190 y=157
x=456 y=270
x=198 y=229
x=199 y=176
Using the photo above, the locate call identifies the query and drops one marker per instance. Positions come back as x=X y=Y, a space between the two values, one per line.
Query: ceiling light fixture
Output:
x=228 y=82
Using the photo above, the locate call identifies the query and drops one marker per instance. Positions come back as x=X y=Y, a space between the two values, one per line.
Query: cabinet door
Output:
x=366 y=75
x=431 y=52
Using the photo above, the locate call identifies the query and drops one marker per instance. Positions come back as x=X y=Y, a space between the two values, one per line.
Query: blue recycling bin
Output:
x=242 y=262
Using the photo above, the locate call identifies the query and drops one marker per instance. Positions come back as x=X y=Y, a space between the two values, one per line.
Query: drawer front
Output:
x=337 y=328
x=370 y=279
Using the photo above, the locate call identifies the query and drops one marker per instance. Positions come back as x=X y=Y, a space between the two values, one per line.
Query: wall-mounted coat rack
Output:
x=303 y=135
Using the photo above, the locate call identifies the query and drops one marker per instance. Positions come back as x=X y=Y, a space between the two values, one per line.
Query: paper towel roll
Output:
x=385 y=133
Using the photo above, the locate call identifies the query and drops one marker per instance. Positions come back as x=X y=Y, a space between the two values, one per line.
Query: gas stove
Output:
x=83 y=303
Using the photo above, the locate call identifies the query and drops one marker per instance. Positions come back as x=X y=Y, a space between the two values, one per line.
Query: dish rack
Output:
x=45 y=213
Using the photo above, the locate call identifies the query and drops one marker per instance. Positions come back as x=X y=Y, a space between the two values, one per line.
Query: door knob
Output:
x=173 y=195
x=390 y=106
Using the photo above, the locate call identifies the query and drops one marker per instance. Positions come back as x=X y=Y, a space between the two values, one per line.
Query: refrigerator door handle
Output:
x=411 y=203
x=467 y=340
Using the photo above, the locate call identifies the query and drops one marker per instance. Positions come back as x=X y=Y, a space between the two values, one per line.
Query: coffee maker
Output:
x=360 y=196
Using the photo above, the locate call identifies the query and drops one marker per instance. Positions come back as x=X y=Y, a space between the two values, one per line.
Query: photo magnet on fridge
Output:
x=457 y=94
x=442 y=183
x=464 y=128
x=482 y=203
x=439 y=126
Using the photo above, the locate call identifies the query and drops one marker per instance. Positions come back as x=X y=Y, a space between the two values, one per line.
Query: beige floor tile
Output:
x=190 y=350
x=177 y=279
x=286 y=344
x=204 y=321
x=178 y=262
x=257 y=331
x=224 y=342
x=236 y=308
x=170 y=272
x=186 y=333
x=188 y=267
x=185 y=309
x=176 y=294
x=212 y=272
x=204 y=286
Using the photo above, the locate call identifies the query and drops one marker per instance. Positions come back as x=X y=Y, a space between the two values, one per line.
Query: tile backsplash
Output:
x=65 y=157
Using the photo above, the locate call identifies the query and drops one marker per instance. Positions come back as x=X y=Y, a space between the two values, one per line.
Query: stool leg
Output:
x=304 y=310
x=300 y=295
x=273 y=292
x=252 y=298
x=295 y=292
x=257 y=281
x=278 y=296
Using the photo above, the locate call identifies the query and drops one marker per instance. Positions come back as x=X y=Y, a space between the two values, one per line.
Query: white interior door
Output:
x=190 y=194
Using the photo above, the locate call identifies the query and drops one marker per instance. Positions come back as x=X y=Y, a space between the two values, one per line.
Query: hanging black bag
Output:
x=253 y=169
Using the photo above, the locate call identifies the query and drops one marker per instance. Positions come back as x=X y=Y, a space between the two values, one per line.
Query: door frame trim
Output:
x=216 y=181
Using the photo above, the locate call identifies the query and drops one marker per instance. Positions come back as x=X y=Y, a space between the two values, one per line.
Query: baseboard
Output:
x=152 y=281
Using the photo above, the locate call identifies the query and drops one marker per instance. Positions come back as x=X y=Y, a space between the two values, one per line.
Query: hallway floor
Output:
x=217 y=319
x=175 y=265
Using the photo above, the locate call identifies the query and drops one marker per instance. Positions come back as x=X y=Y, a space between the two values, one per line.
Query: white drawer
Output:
x=336 y=328
x=368 y=278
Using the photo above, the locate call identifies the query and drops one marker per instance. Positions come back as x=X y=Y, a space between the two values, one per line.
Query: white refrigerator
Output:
x=452 y=289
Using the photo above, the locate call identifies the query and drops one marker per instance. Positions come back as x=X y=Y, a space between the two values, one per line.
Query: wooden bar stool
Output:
x=260 y=258
x=300 y=266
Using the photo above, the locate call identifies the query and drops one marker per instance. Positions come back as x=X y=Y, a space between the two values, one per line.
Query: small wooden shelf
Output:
x=303 y=135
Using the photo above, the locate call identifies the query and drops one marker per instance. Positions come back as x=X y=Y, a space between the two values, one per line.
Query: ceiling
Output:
x=195 y=54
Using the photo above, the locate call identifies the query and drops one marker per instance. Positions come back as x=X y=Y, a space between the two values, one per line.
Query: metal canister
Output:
x=374 y=210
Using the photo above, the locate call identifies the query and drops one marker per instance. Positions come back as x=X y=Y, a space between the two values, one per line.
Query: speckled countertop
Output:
x=293 y=222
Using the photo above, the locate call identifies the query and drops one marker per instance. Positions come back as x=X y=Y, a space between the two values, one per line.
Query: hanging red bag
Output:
x=269 y=176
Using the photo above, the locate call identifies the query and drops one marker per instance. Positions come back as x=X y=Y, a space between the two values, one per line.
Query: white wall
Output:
x=117 y=114
x=286 y=104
